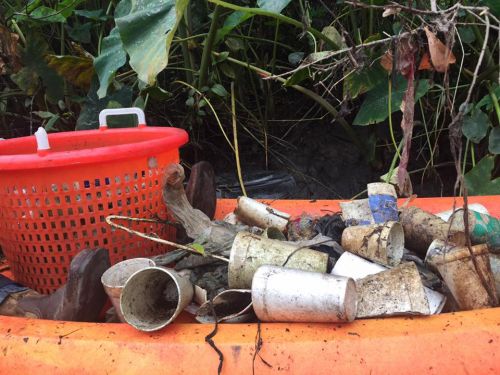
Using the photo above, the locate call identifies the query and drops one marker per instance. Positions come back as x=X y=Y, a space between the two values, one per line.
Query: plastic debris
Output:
x=465 y=281
x=421 y=228
x=398 y=291
x=357 y=212
x=252 y=212
x=287 y=295
x=153 y=297
x=114 y=279
x=250 y=251
x=382 y=243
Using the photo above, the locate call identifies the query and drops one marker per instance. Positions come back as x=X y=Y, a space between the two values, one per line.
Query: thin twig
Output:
x=211 y=335
x=152 y=236
x=258 y=346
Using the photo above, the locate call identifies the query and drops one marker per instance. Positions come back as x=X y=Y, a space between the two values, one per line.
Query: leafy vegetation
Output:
x=355 y=66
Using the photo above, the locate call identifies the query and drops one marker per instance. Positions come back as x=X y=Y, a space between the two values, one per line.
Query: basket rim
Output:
x=168 y=139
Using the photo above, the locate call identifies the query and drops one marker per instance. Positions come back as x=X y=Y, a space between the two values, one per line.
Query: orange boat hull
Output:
x=454 y=343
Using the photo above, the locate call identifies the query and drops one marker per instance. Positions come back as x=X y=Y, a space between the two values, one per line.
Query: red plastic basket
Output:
x=54 y=203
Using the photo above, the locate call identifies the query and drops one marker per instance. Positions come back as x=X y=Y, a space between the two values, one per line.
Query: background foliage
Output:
x=287 y=65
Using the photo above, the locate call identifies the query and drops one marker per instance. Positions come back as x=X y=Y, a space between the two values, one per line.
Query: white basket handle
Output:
x=121 y=111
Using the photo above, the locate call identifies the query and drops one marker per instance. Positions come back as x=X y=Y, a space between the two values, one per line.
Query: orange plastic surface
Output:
x=53 y=206
x=457 y=343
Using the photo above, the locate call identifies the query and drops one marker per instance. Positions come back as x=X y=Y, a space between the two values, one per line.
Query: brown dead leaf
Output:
x=386 y=61
x=425 y=62
x=10 y=60
x=441 y=55
x=405 y=54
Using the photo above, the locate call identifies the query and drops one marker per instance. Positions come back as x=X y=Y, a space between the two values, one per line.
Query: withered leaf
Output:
x=441 y=55
x=386 y=61
x=425 y=62
x=10 y=59
x=405 y=59
x=77 y=70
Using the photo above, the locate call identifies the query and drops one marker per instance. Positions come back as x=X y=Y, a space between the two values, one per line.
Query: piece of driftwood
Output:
x=200 y=189
x=216 y=237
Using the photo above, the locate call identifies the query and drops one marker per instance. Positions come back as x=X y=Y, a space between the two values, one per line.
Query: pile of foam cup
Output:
x=386 y=251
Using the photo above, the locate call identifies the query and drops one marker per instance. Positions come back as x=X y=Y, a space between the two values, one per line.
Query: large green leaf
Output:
x=376 y=104
x=26 y=79
x=475 y=126
x=333 y=34
x=233 y=20
x=494 y=142
x=76 y=70
x=94 y=15
x=89 y=115
x=275 y=6
x=486 y=102
x=362 y=81
x=35 y=11
x=238 y=17
x=147 y=29
x=478 y=179
x=46 y=14
x=80 y=32
x=35 y=66
x=111 y=58
x=494 y=6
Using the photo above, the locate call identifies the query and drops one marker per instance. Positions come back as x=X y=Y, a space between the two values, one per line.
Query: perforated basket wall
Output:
x=48 y=215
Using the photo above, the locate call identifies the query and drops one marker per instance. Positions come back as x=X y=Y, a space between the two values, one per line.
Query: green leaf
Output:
x=494 y=142
x=373 y=38
x=295 y=58
x=51 y=117
x=228 y=70
x=190 y=101
x=362 y=81
x=235 y=44
x=238 y=17
x=44 y=114
x=475 y=126
x=80 y=32
x=486 y=102
x=157 y=93
x=111 y=58
x=67 y=7
x=233 y=20
x=147 y=29
x=219 y=90
x=221 y=57
x=35 y=66
x=275 y=6
x=50 y=125
x=41 y=13
x=466 y=34
x=76 y=70
x=494 y=6
x=478 y=179
x=375 y=106
x=199 y=248
x=298 y=77
x=46 y=14
x=89 y=115
x=139 y=102
x=94 y=15
x=331 y=33
x=26 y=79
x=316 y=56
